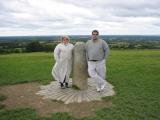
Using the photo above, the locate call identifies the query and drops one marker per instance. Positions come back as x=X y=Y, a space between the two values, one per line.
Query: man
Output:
x=96 y=52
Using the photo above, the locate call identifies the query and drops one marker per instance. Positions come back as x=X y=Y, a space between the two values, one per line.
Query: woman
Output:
x=63 y=56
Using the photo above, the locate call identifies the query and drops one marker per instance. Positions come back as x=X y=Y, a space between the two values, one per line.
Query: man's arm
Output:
x=106 y=49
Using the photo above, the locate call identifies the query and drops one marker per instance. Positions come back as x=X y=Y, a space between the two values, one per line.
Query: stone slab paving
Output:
x=70 y=95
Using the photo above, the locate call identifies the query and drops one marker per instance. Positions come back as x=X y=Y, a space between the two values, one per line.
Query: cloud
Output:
x=34 y=17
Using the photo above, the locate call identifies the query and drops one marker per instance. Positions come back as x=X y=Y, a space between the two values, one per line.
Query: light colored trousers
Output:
x=97 y=71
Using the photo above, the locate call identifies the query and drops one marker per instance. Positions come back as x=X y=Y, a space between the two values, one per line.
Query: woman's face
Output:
x=65 y=40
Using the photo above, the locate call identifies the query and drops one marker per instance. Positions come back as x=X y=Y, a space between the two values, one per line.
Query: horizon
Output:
x=79 y=35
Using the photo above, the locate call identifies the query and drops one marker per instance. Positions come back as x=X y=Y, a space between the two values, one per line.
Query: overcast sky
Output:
x=62 y=17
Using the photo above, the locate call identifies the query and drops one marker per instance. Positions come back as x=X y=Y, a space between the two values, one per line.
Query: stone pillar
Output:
x=80 y=74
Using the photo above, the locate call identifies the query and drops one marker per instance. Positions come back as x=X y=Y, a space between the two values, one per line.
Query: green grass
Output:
x=26 y=67
x=30 y=114
x=2 y=97
x=134 y=73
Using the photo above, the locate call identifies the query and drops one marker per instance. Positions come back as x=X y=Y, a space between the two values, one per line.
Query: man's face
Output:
x=94 y=35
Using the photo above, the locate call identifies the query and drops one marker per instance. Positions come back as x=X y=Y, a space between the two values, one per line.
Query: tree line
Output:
x=20 y=47
x=48 y=46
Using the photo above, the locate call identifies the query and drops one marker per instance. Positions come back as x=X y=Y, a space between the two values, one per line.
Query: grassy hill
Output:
x=134 y=73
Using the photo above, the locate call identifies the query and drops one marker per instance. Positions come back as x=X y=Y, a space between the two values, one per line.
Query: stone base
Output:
x=70 y=95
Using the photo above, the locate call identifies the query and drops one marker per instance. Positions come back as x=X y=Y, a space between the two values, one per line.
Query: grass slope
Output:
x=134 y=73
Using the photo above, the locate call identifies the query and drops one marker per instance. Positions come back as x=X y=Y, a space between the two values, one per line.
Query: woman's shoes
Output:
x=64 y=85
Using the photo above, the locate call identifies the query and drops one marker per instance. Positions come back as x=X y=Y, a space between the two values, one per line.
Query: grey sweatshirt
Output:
x=96 y=50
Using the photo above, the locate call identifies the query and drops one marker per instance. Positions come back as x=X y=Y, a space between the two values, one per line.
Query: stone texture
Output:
x=70 y=95
x=80 y=74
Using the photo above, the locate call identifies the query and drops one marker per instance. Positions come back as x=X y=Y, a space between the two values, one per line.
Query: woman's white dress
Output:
x=63 y=65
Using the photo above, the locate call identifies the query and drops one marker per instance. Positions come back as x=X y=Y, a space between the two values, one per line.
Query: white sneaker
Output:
x=103 y=86
x=98 y=90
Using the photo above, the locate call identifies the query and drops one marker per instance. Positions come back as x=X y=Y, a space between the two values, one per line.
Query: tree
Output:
x=34 y=46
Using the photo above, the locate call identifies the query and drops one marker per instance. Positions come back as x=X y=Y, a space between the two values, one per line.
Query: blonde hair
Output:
x=64 y=36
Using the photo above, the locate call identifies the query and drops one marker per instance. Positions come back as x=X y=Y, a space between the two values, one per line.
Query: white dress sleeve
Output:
x=57 y=53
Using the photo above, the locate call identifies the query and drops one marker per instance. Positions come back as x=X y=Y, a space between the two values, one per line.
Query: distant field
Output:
x=134 y=73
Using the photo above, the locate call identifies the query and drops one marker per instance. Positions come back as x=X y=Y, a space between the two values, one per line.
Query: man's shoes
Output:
x=102 y=87
x=98 y=90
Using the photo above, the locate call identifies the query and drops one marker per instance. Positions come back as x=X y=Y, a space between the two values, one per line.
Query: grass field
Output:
x=134 y=73
x=26 y=67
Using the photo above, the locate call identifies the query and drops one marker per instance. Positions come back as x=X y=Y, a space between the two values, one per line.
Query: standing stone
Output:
x=80 y=74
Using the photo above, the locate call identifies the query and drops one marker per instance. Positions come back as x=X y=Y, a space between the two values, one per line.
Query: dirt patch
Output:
x=23 y=95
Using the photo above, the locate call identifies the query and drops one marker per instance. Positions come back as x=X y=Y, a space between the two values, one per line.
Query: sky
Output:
x=79 y=17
